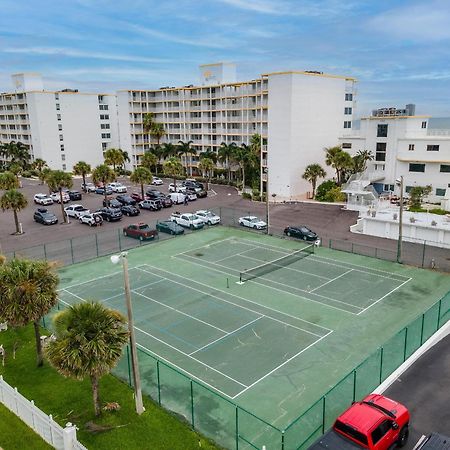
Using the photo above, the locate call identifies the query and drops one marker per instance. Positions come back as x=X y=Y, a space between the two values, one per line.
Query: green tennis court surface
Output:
x=272 y=344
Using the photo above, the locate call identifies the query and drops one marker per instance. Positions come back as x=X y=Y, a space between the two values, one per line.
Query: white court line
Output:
x=253 y=280
x=123 y=293
x=93 y=279
x=281 y=365
x=235 y=304
x=223 y=337
x=333 y=279
x=177 y=310
x=234 y=254
x=390 y=292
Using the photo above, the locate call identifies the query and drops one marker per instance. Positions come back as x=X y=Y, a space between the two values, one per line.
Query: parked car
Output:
x=130 y=210
x=167 y=226
x=43 y=199
x=76 y=211
x=126 y=199
x=187 y=220
x=252 y=222
x=88 y=187
x=110 y=214
x=101 y=190
x=137 y=196
x=112 y=203
x=164 y=199
x=179 y=187
x=44 y=216
x=157 y=181
x=74 y=195
x=56 y=197
x=117 y=187
x=194 y=185
x=208 y=217
x=201 y=193
x=177 y=197
x=191 y=195
x=140 y=231
x=375 y=423
x=152 y=205
x=91 y=219
x=301 y=232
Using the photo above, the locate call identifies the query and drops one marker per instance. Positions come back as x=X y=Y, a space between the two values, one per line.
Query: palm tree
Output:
x=184 y=150
x=44 y=175
x=58 y=180
x=39 y=165
x=344 y=164
x=15 y=200
x=226 y=152
x=210 y=155
x=157 y=131
x=89 y=343
x=331 y=159
x=312 y=173
x=16 y=152
x=126 y=157
x=173 y=168
x=141 y=175
x=244 y=157
x=103 y=174
x=255 y=145
x=166 y=150
x=8 y=181
x=82 y=168
x=114 y=157
x=17 y=170
x=147 y=123
x=28 y=291
x=149 y=160
x=360 y=160
x=207 y=165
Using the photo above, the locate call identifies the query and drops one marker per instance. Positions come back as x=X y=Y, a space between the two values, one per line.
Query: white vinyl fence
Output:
x=53 y=433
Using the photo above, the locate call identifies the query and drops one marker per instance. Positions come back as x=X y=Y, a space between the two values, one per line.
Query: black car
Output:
x=112 y=203
x=74 y=195
x=163 y=199
x=44 y=216
x=126 y=199
x=110 y=214
x=193 y=184
x=301 y=232
x=130 y=210
x=201 y=194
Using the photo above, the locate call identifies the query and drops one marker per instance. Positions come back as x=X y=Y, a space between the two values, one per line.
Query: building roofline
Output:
x=303 y=72
x=34 y=91
x=395 y=117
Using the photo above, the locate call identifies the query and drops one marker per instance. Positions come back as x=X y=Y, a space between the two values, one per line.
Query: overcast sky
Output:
x=399 y=50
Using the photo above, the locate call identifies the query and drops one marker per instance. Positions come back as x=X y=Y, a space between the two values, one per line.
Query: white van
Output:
x=177 y=197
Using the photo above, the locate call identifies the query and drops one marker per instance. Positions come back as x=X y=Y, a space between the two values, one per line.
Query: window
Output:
x=411 y=147
x=104 y=116
x=106 y=135
x=440 y=192
x=104 y=145
x=380 y=154
x=347 y=124
x=381 y=430
x=61 y=146
x=445 y=168
x=382 y=130
x=346 y=145
x=59 y=127
x=104 y=126
x=56 y=96
x=63 y=157
x=424 y=124
x=58 y=107
x=103 y=107
x=348 y=97
x=414 y=167
x=432 y=148
x=350 y=431
x=58 y=116
x=388 y=187
x=347 y=110
x=64 y=167
x=61 y=137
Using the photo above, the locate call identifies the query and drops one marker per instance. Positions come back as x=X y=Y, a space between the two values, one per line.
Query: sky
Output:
x=399 y=50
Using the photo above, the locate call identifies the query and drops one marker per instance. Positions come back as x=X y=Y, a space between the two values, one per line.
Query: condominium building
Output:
x=403 y=144
x=60 y=127
x=296 y=114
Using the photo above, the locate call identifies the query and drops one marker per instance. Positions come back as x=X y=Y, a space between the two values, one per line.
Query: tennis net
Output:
x=276 y=264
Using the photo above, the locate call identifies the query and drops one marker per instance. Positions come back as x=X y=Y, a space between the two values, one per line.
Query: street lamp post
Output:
x=115 y=259
x=266 y=171
x=400 y=221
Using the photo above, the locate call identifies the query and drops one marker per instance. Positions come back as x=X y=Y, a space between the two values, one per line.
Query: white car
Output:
x=76 y=211
x=180 y=188
x=177 y=198
x=88 y=187
x=157 y=181
x=117 y=187
x=191 y=195
x=252 y=222
x=57 y=198
x=43 y=199
x=91 y=219
x=208 y=217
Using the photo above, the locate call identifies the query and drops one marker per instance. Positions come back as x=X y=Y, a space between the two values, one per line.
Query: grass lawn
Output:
x=14 y=434
x=69 y=400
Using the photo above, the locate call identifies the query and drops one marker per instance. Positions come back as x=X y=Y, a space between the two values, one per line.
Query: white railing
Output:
x=44 y=425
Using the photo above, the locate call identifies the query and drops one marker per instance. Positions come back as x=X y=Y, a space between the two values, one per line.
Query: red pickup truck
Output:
x=375 y=423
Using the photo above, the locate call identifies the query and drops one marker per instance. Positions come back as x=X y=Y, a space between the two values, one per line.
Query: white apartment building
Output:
x=60 y=127
x=404 y=144
x=297 y=114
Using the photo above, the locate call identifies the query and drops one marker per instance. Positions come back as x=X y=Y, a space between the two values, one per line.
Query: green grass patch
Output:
x=70 y=400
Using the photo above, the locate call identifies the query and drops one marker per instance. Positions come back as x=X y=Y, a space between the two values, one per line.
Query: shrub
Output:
x=26 y=174
x=334 y=195
x=323 y=188
x=414 y=208
x=439 y=211
x=246 y=195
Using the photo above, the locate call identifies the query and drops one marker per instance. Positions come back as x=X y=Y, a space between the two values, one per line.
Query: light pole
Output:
x=115 y=259
x=266 y=171
x=399 y=182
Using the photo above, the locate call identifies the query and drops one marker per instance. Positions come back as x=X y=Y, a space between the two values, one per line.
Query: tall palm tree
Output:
x=16 y=169
x=166 y=150
x=89 y=343
x=114 y=157
x=226 y=152
x=16 y=152
x=331 y=158
x=57 y=181
x=15 y=200
x=149 y=160
x=103 y=174
x=147 y=123
x=44 y=175
x=126 y=157
x=312 y=173
x=28 y=291
x=210 y=155
x=207 y=165
x=8 y=181
x=344 y=164
x=244 y=156
x=255 y=144
x=39 y=165
x=184 y=151
x=141 y=175
x=360 y=160
x=82 y=168
x=157 y=131
x=173 y=168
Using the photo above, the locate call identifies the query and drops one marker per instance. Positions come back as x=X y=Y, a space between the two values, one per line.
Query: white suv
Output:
x=76 y=211
x=56 y=197
x=43 y=199
x=208 y=217
x=118 y=187
x=91 y=219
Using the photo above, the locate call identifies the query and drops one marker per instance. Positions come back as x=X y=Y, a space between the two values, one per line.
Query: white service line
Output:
x=122 y=293
x=236 y=254
x=333 y=279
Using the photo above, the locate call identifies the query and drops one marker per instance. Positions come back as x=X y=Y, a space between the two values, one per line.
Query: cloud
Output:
x=61 y=51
